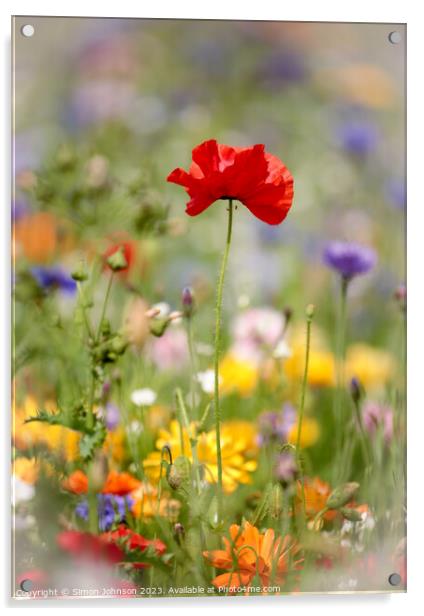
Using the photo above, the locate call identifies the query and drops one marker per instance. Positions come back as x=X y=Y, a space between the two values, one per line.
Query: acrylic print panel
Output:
x=209 y=339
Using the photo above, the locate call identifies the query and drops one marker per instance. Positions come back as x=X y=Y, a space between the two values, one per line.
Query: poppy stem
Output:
x=218 y=312
x=309 y=317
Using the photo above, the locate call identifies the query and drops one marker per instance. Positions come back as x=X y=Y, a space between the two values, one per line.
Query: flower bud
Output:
x=310 y=311
x=342 y=495
x=174 y=477
x=179 y=532
x=355 y=390
x=79 y=274
x=179 y=472
x=353 y=515
x=288 y=313
x=187 y=300
x=117 y=261
x=157 y=327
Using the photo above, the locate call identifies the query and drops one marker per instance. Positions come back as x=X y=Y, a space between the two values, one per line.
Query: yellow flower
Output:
x=26 y=469
x=146 y=504
x=373 y=367
x=62 y=441
x=237 y=375
x=237 y=445
x=309 y=434
x=321 y=370
x=322 y=366
x=115 y=445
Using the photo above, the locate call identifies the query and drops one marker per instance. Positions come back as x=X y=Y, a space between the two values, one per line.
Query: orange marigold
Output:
x=249 y=554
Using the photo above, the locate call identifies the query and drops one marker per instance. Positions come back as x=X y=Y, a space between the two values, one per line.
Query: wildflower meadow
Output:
x=209 y=309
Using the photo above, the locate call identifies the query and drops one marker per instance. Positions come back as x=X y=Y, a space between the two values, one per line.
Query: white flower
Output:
x=21 y=490
x=136 y=427
x=207 y=381
x=282 y=350
x=143 y=397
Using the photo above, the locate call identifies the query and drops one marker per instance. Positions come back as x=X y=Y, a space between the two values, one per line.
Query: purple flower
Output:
x=275 y=426
x=358 y=137
x=111 y=415
x=349 y=259
x=395 y=190
x=54 y=278
x=286 y=468
x=110 y=509
x=282 y=67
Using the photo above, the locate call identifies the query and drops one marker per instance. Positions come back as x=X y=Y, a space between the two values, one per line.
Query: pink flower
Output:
x=257 y=330
x=378 y=416
x=170 y=351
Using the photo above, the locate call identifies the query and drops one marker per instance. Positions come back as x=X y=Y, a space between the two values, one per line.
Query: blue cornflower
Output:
x=54 y=278
x=349 y=259
x=110 y=509
x=358 y=137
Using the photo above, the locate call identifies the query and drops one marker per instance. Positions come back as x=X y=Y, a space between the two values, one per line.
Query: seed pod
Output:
x=353 y=515
x=179 y=472
x=342 y=495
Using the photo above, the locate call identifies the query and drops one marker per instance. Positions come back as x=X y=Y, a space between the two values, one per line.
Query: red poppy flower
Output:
x=86 y=546
x=250 y=175
x=134 y=541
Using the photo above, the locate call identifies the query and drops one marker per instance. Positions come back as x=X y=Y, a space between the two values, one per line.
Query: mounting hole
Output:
x=394 y=579
x=27 y=30
x=394 y=37
x=26 y=585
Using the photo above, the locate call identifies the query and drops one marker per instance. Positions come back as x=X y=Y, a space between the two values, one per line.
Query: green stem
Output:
x=309 y=317
x=90 y=412
x=105 y=302
x=218 y=309
x=193 y=369
x=84 y=310
x=340 y=379
x=364 y=442
x=191 y=437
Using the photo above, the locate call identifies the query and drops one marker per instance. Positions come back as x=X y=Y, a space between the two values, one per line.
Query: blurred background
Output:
x=104 y=109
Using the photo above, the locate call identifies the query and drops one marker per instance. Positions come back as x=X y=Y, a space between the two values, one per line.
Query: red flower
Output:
x=134 y=541
x=250 y=175
x=86 y=546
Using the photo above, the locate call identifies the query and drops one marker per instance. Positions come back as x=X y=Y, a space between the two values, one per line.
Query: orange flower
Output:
x=120 y=484
x=316 y=495
x=77 y=482
x=250 y=554
x=36 y=237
